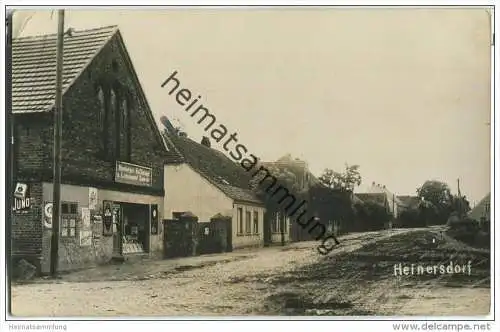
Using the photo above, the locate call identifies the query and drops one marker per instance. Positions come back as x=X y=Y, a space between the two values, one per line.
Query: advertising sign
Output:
x=133 y=174
x=47 y=215
x=92 y=198
x=22 y=201
x=107 y=219
x=154 y=219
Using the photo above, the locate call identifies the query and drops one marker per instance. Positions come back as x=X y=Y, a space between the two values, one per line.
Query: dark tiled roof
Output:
x=379 y=198
x=409 y=201
x=34 y=65
x=215 y=166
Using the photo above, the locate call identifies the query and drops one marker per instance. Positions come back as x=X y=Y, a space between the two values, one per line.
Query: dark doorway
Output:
x=136 y=228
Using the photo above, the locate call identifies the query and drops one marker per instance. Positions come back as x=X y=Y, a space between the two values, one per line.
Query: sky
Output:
x=404 y=93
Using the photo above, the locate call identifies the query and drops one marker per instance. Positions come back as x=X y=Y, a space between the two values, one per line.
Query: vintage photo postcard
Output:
x=319 y=162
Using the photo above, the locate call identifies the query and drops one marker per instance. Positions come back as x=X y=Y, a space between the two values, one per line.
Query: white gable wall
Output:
x=186 y=190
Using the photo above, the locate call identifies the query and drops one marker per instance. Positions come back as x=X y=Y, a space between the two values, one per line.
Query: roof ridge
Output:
x=42 y=36
x=24 y=55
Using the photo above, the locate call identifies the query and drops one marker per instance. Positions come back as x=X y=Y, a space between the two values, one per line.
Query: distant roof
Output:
x=379 y=198
x=480 y=209
x=215 y=166
x=377 y=188
x=34 y=65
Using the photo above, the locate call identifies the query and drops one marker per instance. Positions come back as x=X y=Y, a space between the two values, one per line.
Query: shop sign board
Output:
x=133 y=174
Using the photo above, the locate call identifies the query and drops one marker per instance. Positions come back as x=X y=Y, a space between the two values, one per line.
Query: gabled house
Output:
x=393 y=204
x=207 y=183
x=298 y=167
x=378 y=198
x=112 y=152
x=305 y=180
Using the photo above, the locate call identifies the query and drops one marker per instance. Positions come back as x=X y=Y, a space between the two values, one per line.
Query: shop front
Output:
x=133 y=226
x=102 y=224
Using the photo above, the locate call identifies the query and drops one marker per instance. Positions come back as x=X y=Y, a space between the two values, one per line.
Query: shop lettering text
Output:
x=133 y=174
x=21 y=204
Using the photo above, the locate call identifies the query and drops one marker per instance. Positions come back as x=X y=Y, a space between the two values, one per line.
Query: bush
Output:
x=464 y=229
x=412 y=218
x=371 y=216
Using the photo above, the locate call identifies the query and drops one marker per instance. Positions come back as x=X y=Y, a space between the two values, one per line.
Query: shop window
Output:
x=239 y=221
x=255 y=222
x=248 y=222
x=69 y=215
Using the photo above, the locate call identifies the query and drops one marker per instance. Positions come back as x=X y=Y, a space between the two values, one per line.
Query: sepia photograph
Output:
x=254 y=161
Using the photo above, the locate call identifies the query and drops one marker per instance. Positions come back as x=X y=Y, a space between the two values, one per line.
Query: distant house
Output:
x=378 y=198
x=205 y=182
x=298 y=167
x=305 y=180
x=391 y=201
x=481 y=212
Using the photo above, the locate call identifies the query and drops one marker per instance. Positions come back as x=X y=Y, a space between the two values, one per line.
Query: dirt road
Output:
x=238 y=283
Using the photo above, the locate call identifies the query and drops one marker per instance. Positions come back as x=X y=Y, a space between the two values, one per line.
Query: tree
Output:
x=435 y=192
x=460 y=205
x=346 y=180
x=439 y=204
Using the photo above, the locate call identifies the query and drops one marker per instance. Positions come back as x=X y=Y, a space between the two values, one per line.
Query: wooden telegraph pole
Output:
x=11 y=165
x=58 y=109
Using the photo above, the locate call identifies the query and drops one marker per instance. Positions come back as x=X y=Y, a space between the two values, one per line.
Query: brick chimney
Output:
x=205 y=141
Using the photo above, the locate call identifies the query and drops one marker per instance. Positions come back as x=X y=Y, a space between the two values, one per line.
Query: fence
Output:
x=186 y=236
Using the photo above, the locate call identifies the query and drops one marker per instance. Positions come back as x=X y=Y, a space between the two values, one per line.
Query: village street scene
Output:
x=237 y=176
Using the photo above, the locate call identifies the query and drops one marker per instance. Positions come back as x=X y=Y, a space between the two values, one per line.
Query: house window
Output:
x=101 y=118
x=255 y=222
x=114 y=127
x=69 y=215
x=276 y=223
x=248 y=222
x=239 y=220
x=126 y=130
